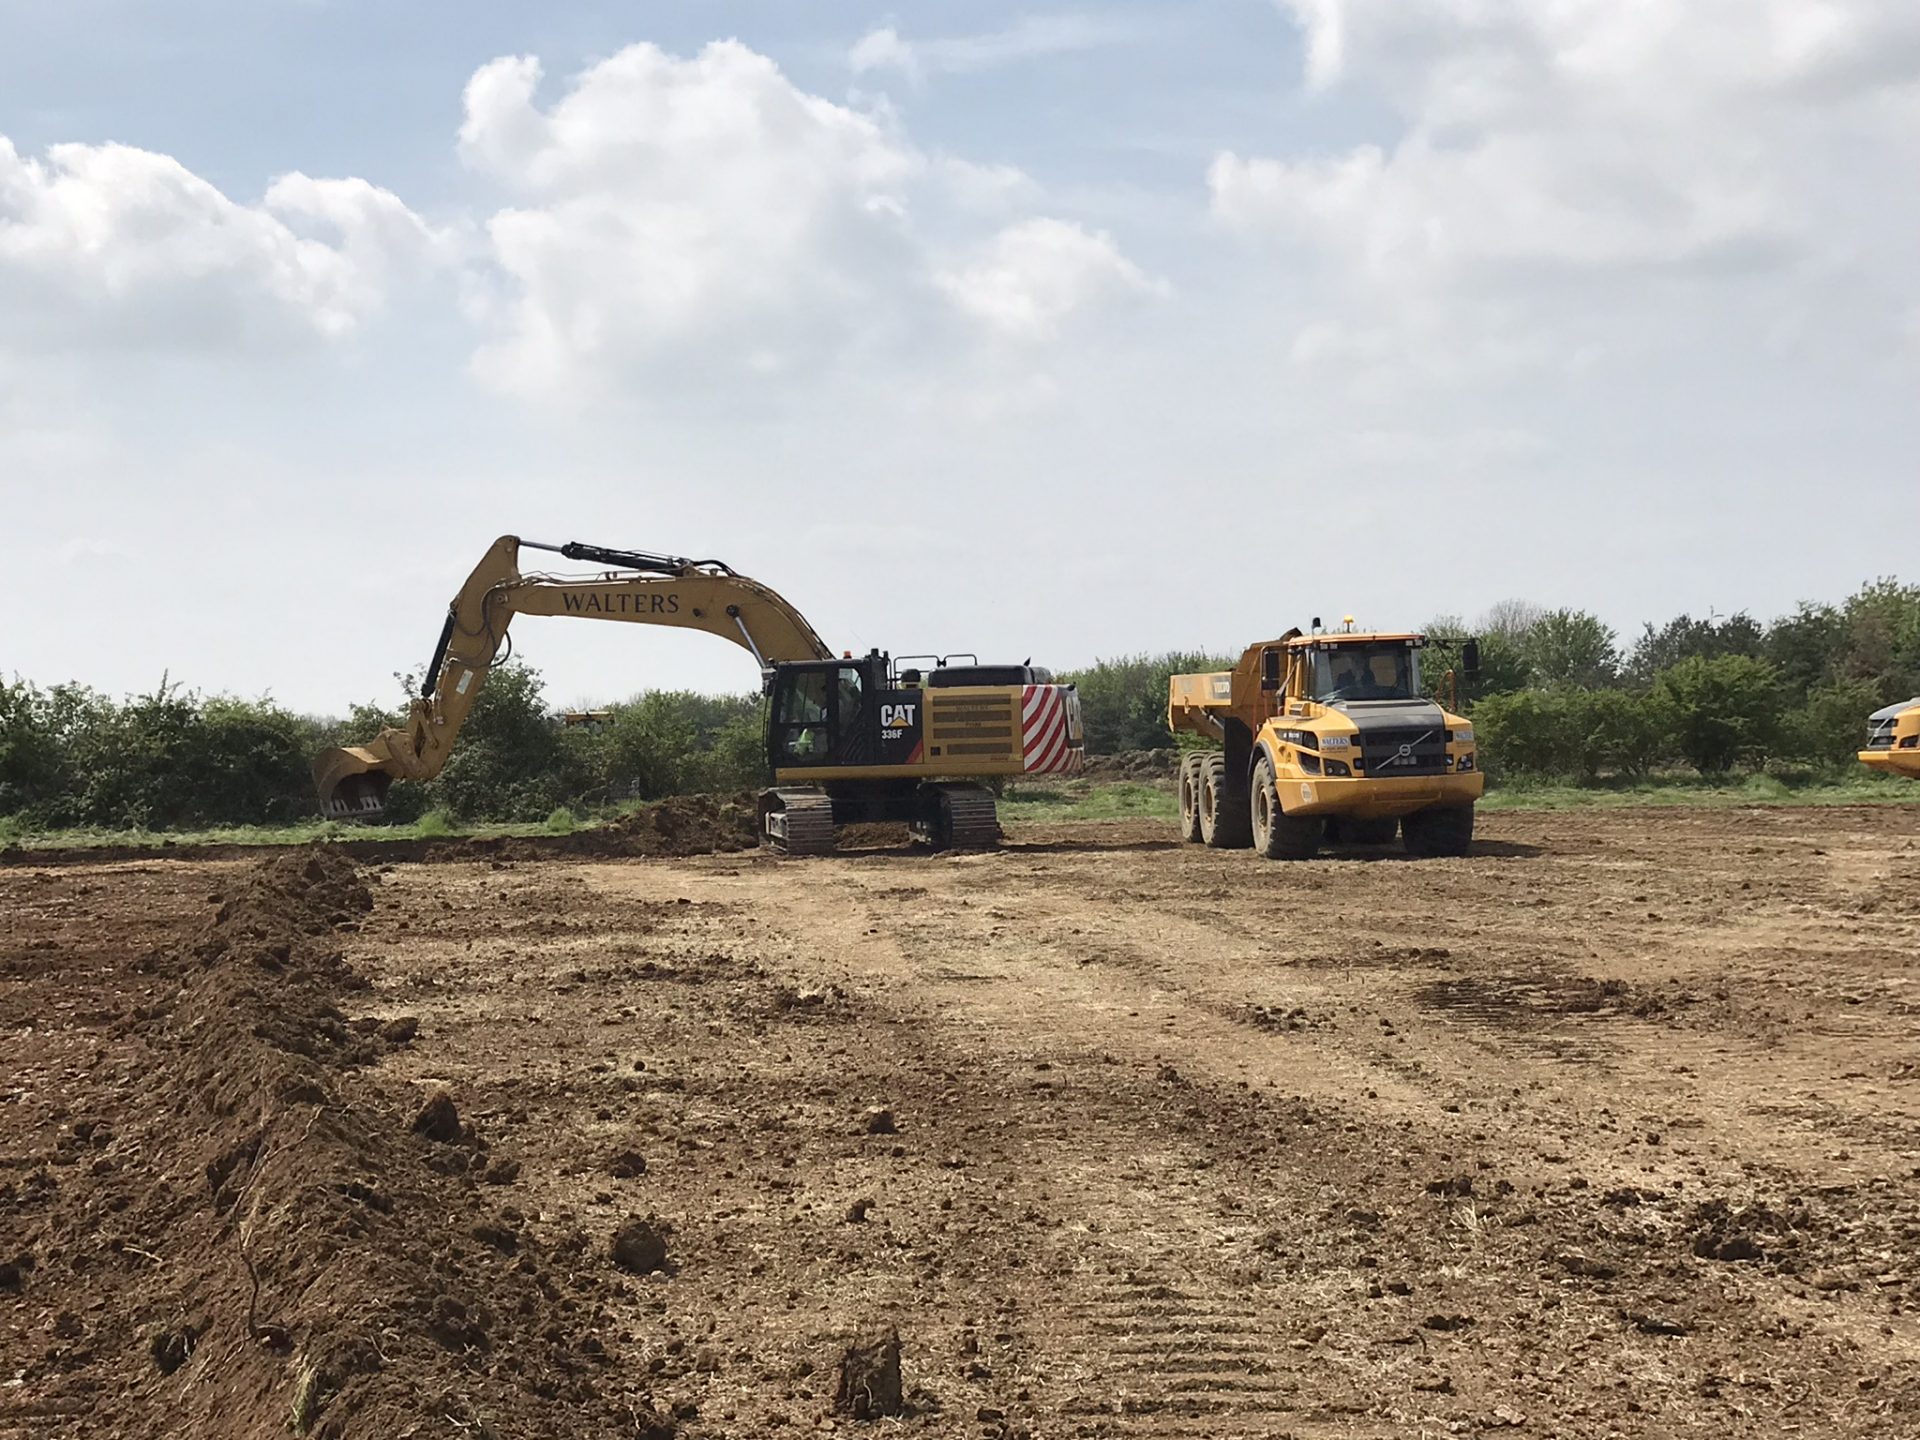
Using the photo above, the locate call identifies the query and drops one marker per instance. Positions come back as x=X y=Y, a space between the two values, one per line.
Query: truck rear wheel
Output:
x=1190 y=797
x=1276 y=834
x=1438 y=830
x=1225 y=823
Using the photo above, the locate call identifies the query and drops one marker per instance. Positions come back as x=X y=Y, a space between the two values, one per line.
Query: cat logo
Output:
x=897 y=717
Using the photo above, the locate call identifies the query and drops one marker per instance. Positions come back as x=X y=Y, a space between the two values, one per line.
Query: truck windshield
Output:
x=1367 y=672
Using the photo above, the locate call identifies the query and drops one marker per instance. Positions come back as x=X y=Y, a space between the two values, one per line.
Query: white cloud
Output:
x=1033 y=275
x=112 y=244
x=1033 y=37
x=706 y=216
x=1588 y=168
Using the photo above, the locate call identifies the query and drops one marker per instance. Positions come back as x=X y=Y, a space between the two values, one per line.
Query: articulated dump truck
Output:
x=1325 y=738
x=1893 y=739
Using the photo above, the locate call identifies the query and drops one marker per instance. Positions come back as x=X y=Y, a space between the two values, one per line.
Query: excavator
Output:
x=1893 y=739
x=848 y=740
x=1326 y=738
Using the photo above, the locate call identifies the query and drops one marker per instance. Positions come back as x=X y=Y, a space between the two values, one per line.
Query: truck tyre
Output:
x=1438 y=830
x=1276 y=834
x=1224 y=820
x=1363 y=832
x=1190 y=797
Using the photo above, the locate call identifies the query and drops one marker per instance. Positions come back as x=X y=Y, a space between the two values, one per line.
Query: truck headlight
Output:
x=1463 y=736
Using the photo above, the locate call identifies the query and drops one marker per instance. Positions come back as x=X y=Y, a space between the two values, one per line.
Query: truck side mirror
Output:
x=1269 y=669
x=1470 y=660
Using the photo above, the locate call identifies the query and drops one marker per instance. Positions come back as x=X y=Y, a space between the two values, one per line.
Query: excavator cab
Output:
x=824 y=712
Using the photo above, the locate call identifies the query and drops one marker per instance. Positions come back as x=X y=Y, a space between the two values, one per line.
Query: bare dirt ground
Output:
x=1611 y=1129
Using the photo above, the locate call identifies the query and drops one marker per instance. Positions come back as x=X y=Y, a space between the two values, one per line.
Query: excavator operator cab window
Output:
x=820 y=712
x=800 y=717
x=849 y=684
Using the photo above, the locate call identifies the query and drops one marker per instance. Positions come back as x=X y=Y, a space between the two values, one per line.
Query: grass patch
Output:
x=1084 y=800
x=434 y=825
x=1051 y=802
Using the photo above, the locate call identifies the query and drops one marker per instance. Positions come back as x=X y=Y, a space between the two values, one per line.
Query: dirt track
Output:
x=1611 y=1129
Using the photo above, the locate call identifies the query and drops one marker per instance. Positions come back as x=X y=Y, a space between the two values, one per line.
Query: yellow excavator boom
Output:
x=636 y=587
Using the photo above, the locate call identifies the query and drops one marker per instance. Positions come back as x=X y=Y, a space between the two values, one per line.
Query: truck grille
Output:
x=1386 y=754
x=1880 y=734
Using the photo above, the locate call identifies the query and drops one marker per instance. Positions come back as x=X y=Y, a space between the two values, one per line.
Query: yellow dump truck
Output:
x=1326 y=737
x=1893 y=739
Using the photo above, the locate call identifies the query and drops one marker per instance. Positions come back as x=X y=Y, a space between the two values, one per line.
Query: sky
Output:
x=1061 y=333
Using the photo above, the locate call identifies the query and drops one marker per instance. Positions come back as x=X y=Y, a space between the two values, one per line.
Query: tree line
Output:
x=71 y=757
x=1558 y=697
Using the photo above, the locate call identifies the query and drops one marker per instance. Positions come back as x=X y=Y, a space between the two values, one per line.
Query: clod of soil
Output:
x=870 y=1375
x=400 y=1030
x=627 y=1164
x=438 y=1119
x=1650 y=1324
x=1722 y=1232
x=879 y=1121
x=640 y=1246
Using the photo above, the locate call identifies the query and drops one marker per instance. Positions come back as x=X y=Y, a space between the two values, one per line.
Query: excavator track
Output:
x=958 y=817
x=797 y=822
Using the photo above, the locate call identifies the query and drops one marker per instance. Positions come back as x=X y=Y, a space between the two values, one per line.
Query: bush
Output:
x=1569 y=732
x=1829 y=729
x=1571 y=647
x=1619 y=732
x=561 y=821
x=509 y=762
x=433 y=825
x=33 y=762
x=1724 y=711
x=1525 y=733
x=1123 y=702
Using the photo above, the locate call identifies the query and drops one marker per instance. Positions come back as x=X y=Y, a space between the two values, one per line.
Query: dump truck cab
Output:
x=1326 y=737
x=1893 y=739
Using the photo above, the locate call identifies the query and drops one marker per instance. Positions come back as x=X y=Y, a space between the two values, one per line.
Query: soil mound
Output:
x=685 y=825
x=279 y=1249
x=1143 y=767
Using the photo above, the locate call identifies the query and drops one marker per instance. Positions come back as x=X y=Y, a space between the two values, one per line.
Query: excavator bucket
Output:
x=353 y=782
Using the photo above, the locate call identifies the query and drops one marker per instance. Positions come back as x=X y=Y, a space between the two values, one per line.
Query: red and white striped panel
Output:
x=1050 y=730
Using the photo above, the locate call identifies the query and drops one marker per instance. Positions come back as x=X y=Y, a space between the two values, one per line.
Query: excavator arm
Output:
x=638 y=587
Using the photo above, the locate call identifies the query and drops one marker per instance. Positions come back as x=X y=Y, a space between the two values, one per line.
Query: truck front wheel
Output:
x=1277 y=835
x=1438 y=830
